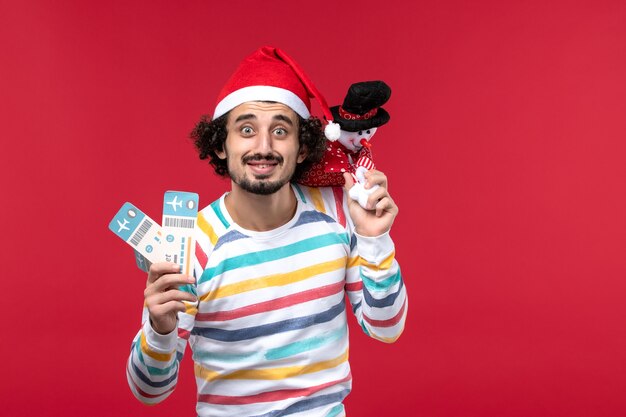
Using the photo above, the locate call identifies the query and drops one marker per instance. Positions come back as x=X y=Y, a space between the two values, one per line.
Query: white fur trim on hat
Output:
x=261 y=93
x=332 y=131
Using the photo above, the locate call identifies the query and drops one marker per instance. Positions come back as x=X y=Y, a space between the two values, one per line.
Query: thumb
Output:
x=349 y=181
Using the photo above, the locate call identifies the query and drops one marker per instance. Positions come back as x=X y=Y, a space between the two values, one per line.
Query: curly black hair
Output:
x=209 y=136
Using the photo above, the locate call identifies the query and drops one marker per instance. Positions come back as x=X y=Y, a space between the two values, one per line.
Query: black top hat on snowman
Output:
x=361 y=108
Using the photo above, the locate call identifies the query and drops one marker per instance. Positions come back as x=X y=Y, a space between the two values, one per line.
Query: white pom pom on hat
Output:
x=269 y=74
x=332 y=131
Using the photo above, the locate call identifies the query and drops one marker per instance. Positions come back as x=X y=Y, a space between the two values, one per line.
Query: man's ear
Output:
x=221 y=153
x=302 y=154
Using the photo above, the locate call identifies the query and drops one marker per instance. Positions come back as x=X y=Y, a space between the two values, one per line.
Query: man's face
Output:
x=262 y=147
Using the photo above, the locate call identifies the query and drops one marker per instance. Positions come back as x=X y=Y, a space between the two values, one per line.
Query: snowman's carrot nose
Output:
x=364 y=142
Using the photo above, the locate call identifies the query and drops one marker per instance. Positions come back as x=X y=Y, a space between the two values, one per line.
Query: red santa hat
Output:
x=269 y=74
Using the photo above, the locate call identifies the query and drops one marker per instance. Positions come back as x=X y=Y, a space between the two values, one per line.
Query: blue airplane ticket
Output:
x=180 y=210
x=140 y=232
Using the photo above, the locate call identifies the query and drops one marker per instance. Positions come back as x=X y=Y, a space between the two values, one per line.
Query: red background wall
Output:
x=505 y=153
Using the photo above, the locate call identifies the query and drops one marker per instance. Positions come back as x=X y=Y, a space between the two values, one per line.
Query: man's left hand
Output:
x=377 y=218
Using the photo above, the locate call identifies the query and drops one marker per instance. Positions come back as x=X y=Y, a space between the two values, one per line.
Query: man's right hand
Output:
x=162 y=296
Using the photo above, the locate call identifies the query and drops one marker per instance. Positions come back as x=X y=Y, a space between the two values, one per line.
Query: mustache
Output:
x=260 y=157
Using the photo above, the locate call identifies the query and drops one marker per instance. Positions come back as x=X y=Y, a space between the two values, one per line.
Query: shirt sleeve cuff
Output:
x=374 y=249
x=163 y=343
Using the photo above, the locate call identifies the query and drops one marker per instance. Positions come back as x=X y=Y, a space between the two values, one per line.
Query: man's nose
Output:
x=264 y=143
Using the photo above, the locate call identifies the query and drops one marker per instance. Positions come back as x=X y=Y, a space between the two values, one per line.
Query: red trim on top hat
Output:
x=351 y=116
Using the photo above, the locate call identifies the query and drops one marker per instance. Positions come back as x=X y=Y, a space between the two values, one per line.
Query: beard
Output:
x=259 y=185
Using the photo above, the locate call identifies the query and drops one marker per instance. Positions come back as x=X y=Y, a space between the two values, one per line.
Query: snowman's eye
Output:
x=360 y=133
x=368 y=132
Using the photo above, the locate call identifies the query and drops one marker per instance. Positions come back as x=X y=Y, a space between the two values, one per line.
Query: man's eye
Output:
x=280 y=131
x=246 y=130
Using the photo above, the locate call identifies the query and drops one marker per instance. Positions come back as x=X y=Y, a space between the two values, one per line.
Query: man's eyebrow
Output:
x=283 y=118
x=245 y=117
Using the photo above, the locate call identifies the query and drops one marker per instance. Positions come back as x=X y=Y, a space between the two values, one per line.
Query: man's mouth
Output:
x=262 y=168
x=262 y=165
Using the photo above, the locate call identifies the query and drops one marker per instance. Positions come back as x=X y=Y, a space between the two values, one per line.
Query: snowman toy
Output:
x=358 y=117
x=356 y=141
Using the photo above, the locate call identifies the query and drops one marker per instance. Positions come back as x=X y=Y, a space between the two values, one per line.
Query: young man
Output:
x=265 y=315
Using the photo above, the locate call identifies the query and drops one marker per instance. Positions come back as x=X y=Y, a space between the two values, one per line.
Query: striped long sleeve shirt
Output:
x=269 y=333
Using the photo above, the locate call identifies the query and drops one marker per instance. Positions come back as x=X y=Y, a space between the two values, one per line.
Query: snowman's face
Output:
x=352 y=140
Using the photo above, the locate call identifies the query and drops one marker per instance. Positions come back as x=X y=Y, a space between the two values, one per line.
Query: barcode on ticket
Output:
x=177 y=222
x=141 y=232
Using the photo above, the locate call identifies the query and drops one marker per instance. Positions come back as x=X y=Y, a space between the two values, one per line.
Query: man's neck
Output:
x=261 y=212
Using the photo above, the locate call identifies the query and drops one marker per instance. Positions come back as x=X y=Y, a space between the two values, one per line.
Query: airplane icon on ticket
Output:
x=175 y=203
x=122 y=226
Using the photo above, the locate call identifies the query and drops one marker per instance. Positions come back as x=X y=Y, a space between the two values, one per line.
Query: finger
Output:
x=386 y=205
x=168 y=307
x=374 y=177
x=349 y=181
x=376 y=195
x=161 y=268
x=172 y=281
x=171 y=295
x=167 y=282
